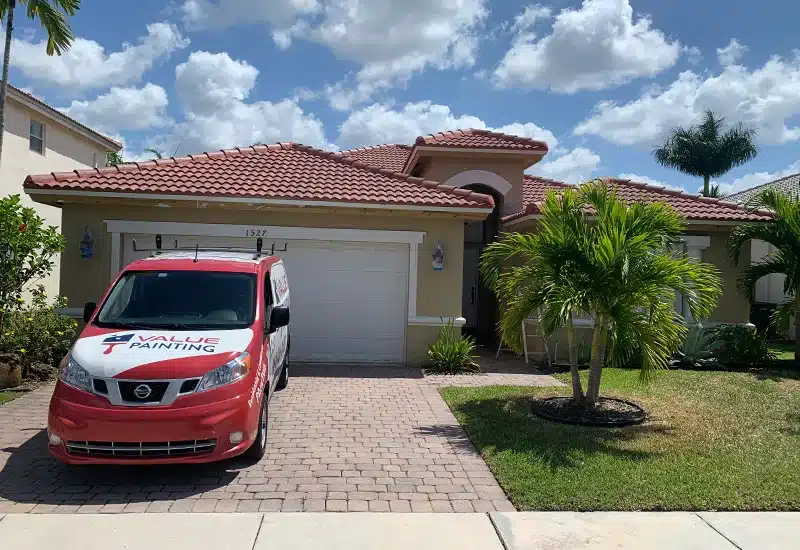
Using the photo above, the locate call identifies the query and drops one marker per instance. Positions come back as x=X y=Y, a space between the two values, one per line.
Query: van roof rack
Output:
x=197 y=248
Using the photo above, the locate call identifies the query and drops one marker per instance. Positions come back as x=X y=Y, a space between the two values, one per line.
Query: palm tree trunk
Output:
x=706 y=189
x=6 y=61
x=577 y=389
x=598 y=359
x=797 y=324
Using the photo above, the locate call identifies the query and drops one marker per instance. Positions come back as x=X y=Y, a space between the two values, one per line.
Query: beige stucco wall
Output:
x=732 y=307
x=442 y=167
x=64 y=150
x=438 y=292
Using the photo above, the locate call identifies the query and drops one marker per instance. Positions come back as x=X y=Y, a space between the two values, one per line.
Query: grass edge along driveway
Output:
x=715 y=441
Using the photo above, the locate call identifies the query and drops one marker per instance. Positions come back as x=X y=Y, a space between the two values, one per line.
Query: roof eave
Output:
x=36 y=193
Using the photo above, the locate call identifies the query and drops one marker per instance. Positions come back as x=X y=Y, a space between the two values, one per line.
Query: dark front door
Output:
x=479 y=306
x=469 y=298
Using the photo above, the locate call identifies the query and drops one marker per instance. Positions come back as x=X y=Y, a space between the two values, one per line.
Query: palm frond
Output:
x=757 y=270
x=775 y=234
x=53 y=17
x=781 y=318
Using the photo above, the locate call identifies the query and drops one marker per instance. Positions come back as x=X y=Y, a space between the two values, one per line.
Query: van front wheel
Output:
x=259 y=447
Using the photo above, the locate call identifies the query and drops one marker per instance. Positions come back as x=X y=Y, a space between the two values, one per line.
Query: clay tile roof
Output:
x=390 y=156
x=285 y=171
x=789 y=185
x=692 y=207
x=481 y=139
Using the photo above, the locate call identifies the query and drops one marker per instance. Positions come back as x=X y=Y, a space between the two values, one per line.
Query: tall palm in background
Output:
x=52 y=14
x=706 y=151
x=614 y=267
x=784 y=235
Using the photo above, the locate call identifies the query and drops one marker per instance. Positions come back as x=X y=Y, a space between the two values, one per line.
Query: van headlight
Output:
x=230 y=372
x=75 y=375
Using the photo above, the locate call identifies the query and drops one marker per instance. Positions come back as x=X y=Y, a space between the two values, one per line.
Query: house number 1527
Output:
x=255 y=232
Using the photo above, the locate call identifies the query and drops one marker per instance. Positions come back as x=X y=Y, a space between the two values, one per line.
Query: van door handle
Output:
x=472 y=296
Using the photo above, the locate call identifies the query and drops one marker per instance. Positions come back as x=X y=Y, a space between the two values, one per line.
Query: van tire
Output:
x=258 y=448
x=283 y=378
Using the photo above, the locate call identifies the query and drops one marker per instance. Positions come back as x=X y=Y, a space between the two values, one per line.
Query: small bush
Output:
x=37 y=335
x=452 y=353
x=741 y=346
x=699 y=351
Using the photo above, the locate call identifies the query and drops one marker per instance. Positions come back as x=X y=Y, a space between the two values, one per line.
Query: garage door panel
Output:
x=349 y=300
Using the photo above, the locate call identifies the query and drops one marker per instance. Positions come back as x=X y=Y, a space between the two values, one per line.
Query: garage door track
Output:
x=341 y=439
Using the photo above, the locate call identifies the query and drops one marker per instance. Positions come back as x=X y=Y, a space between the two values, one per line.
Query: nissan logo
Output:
x=142 y=391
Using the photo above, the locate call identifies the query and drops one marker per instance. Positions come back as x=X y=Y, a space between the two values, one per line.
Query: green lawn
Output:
x=6 y=396
x=716 y=441
x=784 y=352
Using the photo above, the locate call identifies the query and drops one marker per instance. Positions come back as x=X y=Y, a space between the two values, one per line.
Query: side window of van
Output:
x=280 y=287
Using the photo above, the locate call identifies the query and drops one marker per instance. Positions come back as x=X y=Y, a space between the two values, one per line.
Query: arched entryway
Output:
x=479 y=306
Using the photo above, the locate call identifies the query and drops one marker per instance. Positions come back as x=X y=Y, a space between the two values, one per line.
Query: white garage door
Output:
x=349 y=300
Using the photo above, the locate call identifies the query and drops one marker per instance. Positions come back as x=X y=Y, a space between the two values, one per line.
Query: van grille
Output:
x=142 y=449
x=127 y=390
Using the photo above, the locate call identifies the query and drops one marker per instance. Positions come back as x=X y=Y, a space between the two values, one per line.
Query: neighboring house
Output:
x=37 y=139
x=360 y=227
x=769 y=289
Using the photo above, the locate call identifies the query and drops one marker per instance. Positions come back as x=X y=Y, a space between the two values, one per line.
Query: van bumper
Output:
x=99 y=428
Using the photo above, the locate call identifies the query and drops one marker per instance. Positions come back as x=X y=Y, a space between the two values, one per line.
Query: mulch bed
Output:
x=609 y=412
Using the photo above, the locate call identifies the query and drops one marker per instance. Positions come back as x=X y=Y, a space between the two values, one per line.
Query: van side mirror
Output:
x=279 y=317
x=88 y=311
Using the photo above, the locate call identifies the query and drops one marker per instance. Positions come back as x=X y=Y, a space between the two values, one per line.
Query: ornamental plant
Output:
x=27 y=252
x=593 y=254
x=37 y=335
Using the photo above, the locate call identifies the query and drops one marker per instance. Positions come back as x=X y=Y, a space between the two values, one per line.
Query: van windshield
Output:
x=180 y=300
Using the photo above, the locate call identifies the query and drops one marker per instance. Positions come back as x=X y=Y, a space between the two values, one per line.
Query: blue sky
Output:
x=602 y=81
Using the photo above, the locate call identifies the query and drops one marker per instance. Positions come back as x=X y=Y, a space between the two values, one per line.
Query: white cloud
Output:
x=597 y=46
x=767 y=97
x=694 y=55
x=731 y=53
x=213 y=89
x=529 y=17
x=388 y=40
x=204 y=14
x=379 y=123
x=209 y=83
x=573 y=167
x=757 y=178
x=87 y=65
x=650 y=181
x=123 y=109
x=641 y=179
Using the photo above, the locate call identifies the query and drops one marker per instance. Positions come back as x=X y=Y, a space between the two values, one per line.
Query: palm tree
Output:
x=705 y=151
x=158 y=154
x=614 y=266
x=52 y=14
x=784 y=235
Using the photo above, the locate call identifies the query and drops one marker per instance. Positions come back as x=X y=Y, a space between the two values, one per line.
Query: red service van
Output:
x=178 y=362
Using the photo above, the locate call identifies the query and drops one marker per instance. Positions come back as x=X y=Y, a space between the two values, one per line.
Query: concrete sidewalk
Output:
x=330 y=531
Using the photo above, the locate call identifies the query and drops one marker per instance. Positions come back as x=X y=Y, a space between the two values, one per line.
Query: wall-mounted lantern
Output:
x=438 y=257
x=87 y=244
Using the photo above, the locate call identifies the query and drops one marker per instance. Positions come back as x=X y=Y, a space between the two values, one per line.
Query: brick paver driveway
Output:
x=340 y=439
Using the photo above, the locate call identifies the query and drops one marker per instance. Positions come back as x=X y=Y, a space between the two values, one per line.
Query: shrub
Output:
x=452 y=353
x=27 y=251
x=741 y=346
x=37 y=335
x=698 y=351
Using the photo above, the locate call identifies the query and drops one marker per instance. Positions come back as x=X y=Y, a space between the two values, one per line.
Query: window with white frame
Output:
x=36 y=138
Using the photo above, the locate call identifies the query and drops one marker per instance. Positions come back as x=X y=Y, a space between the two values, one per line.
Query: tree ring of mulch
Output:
x=610 y=412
